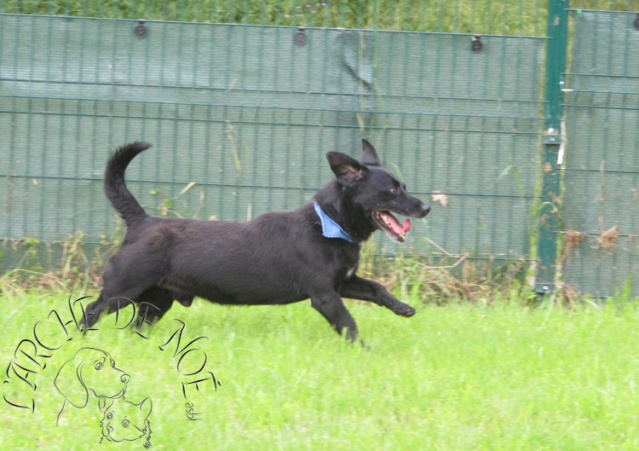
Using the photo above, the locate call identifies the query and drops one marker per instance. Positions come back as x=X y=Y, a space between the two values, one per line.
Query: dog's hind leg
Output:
x=153 y=304
x=116 y=294
x=94 y=310
x=331 y=306
x=367 y=290
x=127 y=275
x=109 y=304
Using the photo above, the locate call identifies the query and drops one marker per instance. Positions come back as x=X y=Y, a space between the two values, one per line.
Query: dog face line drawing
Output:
x=91 y=371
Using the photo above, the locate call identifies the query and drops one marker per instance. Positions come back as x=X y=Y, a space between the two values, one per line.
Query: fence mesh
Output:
x=243 y=99
x=601 y=213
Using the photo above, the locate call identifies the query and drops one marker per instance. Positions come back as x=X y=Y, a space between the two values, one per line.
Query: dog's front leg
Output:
x=331 y=306
x=367 y=290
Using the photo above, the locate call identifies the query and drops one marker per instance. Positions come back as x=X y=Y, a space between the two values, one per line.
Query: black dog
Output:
x=276 y=258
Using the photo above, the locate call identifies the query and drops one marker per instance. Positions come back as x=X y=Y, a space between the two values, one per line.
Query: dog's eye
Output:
x=98 y=366
x=109 y=415
x=126 y=423
x=394 y=190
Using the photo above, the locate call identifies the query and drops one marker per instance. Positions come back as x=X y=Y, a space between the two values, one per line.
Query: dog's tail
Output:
x=115 y=187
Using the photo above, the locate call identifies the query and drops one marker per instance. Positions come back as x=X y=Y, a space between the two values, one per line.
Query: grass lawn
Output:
x=527 y=18
x=463 y=376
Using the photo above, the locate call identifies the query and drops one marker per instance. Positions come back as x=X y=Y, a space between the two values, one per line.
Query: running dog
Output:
x=277 y=258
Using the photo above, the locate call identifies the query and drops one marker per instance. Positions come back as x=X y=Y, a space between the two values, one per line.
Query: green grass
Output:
x=527 y=18
x=463 y=376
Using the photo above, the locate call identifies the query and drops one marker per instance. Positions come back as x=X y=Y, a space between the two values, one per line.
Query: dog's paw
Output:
x=364 y=346
x=405 y=310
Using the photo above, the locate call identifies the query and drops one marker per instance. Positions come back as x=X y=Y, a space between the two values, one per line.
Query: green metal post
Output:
x=549 y=215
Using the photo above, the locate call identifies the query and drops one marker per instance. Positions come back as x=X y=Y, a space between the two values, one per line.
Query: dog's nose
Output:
x=125 y=378
x=425 y=208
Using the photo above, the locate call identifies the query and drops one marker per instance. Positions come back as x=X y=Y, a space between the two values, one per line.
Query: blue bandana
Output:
x=331 y=229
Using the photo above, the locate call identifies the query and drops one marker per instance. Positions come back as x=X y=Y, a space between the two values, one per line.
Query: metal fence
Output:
x=601 y=208
x=243 y=99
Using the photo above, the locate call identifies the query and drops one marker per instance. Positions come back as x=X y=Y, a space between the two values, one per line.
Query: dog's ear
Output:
x=69 y=384
x=347 y=169
x=369 y=154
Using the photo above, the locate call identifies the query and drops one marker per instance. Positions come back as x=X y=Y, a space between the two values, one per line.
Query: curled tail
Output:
x=115 y=187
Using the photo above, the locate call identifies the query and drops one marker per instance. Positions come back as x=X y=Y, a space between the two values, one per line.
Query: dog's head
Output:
x=91 y=371
x=376 y=191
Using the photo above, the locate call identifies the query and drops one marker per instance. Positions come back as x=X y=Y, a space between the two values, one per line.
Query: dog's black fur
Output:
x=276 y=258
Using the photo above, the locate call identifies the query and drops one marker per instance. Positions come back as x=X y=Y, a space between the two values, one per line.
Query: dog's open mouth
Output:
x=389 y=224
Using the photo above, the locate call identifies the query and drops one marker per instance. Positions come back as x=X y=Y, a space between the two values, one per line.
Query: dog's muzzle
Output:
x=424 y=209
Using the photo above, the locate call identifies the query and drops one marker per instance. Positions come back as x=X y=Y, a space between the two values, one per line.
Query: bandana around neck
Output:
x=330 y=228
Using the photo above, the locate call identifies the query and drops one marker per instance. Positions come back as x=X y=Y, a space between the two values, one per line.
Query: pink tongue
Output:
x=396 y=226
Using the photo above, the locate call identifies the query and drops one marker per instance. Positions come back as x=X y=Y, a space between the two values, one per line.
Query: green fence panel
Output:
x=247 y=114
x=464 y=129
x=601 y=208
x=241 y=111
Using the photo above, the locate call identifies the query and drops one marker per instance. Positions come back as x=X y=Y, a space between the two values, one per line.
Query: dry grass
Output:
x=607 y=239
x=442 y=280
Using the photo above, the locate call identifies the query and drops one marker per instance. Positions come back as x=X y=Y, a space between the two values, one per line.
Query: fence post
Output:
x=549 y=215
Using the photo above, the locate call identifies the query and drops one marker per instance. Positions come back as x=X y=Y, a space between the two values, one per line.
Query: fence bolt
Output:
x=552 y=137
x=300 y=37
x=476 y=45
x=140 y=30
